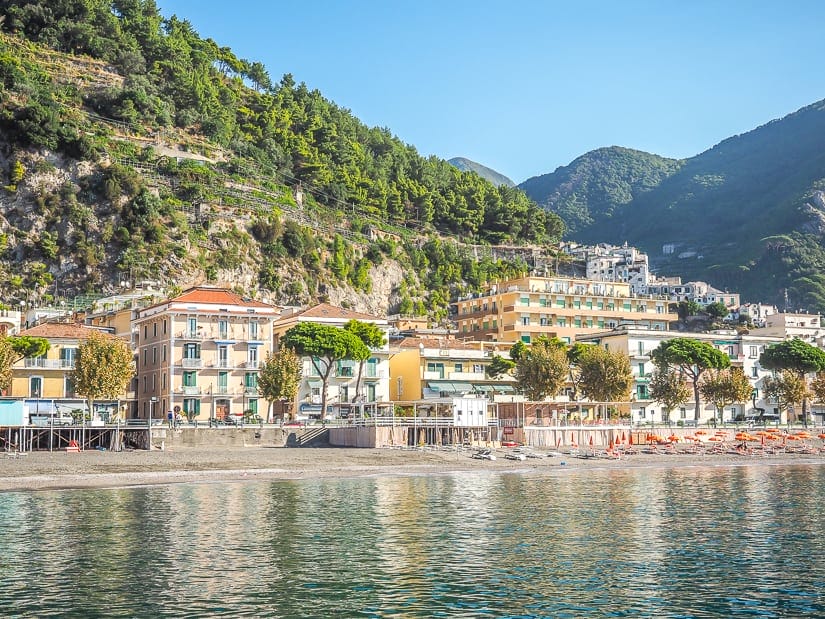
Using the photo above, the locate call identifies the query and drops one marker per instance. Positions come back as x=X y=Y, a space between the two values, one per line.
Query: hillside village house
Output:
x=43 y=382
x=430 y=368
x=525 y=308
x=200 y=352
x=341 y=395
x=742 y=350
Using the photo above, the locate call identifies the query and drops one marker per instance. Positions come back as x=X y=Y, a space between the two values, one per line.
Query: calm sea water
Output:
x=709 y=542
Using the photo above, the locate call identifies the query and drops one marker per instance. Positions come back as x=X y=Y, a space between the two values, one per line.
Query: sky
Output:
x=524 y=87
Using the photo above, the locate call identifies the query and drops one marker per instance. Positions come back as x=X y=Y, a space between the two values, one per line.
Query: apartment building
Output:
x=528 y=307
x=44 y=382
x=742 y=350
x=429 y=368
x=341 y=391
x=199 y=354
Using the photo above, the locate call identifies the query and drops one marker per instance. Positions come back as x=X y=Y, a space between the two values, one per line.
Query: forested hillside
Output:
x=466 y=165
x=131 y=145
x=746 y=215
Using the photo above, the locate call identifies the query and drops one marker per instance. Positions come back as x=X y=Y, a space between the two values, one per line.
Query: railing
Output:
x=191 y=335
x=191 y=390
x=222 y=390
x=49 y=364
x=253 y=365
x=192 y=363
x=411 y=422
x=223 y=363
x=250 y=391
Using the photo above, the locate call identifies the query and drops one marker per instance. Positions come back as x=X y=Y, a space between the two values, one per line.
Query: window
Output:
x=437 y=368
x=478 y=368
x=154 y=329
x=145 y=331
x=250 y=380
x=190 y=379
x=223 y=328
x=253 y=330
x=753 y=352
x=371 y=392
x=525 y=339
x=67 y=357
x=191 y=407
x=223 y=357
x=68 y=387
x=641 y=392
x=682 y=413
x=252 y=356
x=458 y=367
x=154 y=354
x=164 y=326
x=190 y=351
x=577 y=322
x=577 y=304
x=641 y=369
x=145 y=356
x=755 y=372
x=524 y=300
x=559 y=301
x=192 y=325
x=163 y=352
x=252 y=406
x=372 y=368
x=35 y=387
x=346 y=369
x=626 y=306
x=542 y=302
x=525 y=321
x=544 y=321
x=344 y=395
x=163 y=381
x=223 y=382
x=562 y=322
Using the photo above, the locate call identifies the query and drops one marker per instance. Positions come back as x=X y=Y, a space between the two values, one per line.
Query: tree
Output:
x=818 y=387
x=325 y=345
x=574 y=357
x=787 y=388
x=499 y=366
x=12 y=349
x=693 y=358
x=280 y=377
x=373 y=337
x=717 y=310
x=103 y=368
x=723 y=387
x=795 y=356
x=668 y=387
x=605 y=375
x=686 y=309
x=541 y=370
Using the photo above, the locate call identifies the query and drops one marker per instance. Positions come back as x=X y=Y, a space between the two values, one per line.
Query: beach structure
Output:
x=525 y=308
x=199 y=353
x=342 y=397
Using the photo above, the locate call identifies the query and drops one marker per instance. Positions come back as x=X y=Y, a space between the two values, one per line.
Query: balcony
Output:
x=223 y=363
x=466 y=376
x=192 y=363
x=222 y=390
x=49 y=364
x=253 y=391
x=433 y=375
x=191 y=390
x=191 y=335
x=252 y=364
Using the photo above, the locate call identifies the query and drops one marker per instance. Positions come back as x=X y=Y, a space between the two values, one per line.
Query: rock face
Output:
x=382 y=298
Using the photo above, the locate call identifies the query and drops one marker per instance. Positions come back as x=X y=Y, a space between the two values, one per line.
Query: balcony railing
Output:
x=191 y=390
x=192 y=363
x=223 y=363
x=49 y=364
x=191 y=335
x=222 y=390
x=252 y=364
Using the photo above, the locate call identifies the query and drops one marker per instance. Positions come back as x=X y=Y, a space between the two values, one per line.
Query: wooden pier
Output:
x=23 y=439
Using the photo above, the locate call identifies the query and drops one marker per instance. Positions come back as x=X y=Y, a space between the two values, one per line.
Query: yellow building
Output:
x=46 y=379
x=199 y=354
x=427 y=368
x=525 y=308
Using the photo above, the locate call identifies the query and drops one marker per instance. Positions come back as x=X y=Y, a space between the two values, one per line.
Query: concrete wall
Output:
x=204 y=436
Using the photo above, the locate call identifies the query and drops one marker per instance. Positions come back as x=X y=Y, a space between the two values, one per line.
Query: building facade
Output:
x=199 y=354
x=341 y=390
x=528 y=307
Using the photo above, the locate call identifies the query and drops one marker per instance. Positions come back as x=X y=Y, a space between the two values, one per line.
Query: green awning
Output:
x=505 y=388
x=457 y=387
x=484 y=388
x=439 y=386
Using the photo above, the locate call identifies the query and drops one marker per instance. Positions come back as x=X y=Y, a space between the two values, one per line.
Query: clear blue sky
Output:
x=525 y=87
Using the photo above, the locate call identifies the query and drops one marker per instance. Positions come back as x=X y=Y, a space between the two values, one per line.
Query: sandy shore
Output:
x=96 y=469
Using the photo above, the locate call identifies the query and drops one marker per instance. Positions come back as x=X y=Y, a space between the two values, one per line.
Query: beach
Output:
x=101 y=469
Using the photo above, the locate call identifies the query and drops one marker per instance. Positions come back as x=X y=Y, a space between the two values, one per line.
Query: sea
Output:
x=644 y=542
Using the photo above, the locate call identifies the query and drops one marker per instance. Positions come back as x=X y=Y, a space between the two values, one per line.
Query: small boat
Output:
x=515 y=456
x=483 y=454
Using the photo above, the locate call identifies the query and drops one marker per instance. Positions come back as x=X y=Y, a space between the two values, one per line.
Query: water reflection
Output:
x=698 y=542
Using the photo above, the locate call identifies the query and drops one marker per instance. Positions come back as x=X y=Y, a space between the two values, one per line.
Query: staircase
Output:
x=313 y=437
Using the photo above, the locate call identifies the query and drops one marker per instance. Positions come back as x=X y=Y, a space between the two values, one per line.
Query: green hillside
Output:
x=131 y=145
x=466 y=165
x=746 y=214
x=592 y=193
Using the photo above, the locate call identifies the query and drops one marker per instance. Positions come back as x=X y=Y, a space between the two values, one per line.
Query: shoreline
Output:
x=39 y=471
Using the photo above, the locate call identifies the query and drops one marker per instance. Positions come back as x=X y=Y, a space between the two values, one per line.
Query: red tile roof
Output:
x=61 y=329
x=325 y=310
x=216 y=296
x=432 y=342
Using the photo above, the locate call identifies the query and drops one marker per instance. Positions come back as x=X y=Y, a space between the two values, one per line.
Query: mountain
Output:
x=747 y=214
x=132 y=149
x=465 y=165
x=594 y=188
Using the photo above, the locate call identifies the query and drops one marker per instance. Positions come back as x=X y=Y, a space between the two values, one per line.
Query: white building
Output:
x=341 y=391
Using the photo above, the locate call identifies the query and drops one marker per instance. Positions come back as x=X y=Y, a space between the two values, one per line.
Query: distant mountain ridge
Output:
x=466 y=165
x=747 y=214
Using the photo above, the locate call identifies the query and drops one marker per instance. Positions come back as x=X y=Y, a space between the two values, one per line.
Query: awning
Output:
x=505 y=388
x=459 y=387
x=314 y=382
x=449 y=387
x=484 y=388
